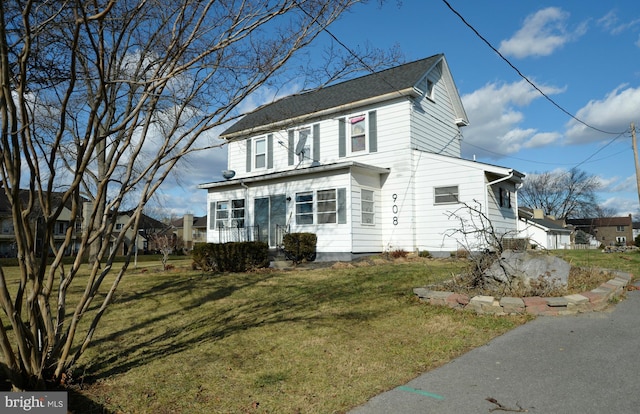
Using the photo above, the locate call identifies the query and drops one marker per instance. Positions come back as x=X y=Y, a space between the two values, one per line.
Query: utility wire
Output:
x=554 y=163
x=547 y=97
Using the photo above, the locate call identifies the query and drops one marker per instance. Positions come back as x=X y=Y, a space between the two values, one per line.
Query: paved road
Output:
x=589 y=363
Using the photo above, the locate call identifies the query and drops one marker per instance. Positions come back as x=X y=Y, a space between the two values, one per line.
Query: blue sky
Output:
x=584 y=55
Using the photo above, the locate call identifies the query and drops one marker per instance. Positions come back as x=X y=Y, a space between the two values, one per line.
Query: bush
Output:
x=300 y=246
x=637 y=241
x=425 y=253
x=230 y=257
x=398 y=254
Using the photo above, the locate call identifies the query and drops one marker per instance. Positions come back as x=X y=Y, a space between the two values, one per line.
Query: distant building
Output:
x=610 y=231
x=190 y=229
x=541 y=230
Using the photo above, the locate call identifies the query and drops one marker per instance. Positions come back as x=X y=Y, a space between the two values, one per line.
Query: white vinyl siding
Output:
x=433 y=125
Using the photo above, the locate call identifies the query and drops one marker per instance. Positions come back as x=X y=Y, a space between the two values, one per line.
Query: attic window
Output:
x=358 y=134
x=429 y=91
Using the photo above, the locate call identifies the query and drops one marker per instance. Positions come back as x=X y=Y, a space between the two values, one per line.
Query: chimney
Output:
x=187 y=230
x=538 y=213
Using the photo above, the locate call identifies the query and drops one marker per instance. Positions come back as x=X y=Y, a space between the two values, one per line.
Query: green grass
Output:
x=303 y=341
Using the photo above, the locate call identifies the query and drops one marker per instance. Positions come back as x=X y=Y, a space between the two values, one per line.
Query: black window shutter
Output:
x=316 y=142
x=291 y=147
x=270 y=151
x=342 y=138
x=373 y=132
x=249 y=144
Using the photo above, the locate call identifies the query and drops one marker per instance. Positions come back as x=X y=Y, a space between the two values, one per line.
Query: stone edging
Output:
x=593 y=300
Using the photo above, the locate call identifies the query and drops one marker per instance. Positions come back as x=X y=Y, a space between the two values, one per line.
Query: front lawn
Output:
x=302 y=341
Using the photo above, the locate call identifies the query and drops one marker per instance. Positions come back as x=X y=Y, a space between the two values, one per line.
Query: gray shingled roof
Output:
x=354 y=90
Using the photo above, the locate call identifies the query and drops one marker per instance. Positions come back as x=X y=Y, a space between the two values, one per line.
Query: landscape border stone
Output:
x=594 y=300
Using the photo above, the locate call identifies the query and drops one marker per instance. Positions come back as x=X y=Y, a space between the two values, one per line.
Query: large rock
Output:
x=527 y=266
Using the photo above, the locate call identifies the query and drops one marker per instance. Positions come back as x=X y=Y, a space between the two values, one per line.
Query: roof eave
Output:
x=407 y=92
x=296 y=172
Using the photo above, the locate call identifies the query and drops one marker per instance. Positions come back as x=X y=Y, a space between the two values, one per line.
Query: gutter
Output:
x=489 y=184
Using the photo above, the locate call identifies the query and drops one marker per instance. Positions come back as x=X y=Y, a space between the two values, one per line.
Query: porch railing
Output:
x=280 y=232
x=238 y=234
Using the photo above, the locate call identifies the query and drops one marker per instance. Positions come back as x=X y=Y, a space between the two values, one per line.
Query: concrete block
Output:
x=557 y=302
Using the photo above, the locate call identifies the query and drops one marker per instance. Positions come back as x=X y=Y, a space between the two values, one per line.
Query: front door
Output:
x=270 y=212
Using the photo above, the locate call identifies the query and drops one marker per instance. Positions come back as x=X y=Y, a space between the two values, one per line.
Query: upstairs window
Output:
x=429 y=91
x=260 y=153
x=358 y=133
x=619 y=228
x=303 y=147
x=446 y=195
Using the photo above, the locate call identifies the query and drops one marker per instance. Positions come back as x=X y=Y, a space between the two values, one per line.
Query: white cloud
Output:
x=621 y=205
x=620 y=185
x=495 y=115
x=612 y=114
x=543 y=139
x=541 y=34
x=611 y=23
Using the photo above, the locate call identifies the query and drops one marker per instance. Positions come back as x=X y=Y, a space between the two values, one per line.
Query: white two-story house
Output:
x=369 y=165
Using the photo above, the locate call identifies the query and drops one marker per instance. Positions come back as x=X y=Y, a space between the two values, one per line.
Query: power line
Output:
x=547 y=97
x=575 y=165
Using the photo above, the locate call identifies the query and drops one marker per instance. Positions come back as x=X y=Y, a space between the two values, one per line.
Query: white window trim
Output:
x=350 y=123
x=228 y=222
x=373 y=207
x=457 y=195
x=256 y=153
x=306 y=156
x=305 y=214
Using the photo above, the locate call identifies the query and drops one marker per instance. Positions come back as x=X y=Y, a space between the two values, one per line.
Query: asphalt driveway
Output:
x=587 y=363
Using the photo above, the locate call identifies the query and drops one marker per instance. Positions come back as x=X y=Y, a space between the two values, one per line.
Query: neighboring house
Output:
x=145 y=242
x=190 y=229
x=369 y=165
x=610 y=231
x=7 y=235
x=542 y=231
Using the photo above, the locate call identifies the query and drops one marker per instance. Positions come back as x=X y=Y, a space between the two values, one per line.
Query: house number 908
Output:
x=394 y=209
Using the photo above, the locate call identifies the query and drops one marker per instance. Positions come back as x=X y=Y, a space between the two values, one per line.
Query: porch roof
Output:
x=349 y=165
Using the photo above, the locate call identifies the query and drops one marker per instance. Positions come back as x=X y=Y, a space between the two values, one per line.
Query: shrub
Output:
x=230 y=257
x=637 y=241
x=300 y=246
x=398 y=253
x=425 y=253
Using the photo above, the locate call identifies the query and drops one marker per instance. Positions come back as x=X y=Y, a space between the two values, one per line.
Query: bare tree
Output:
x=98 y=102
x=166 y=244
x=563 y=194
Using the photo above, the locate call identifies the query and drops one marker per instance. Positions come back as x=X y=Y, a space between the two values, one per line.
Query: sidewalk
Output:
x=588 y=363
